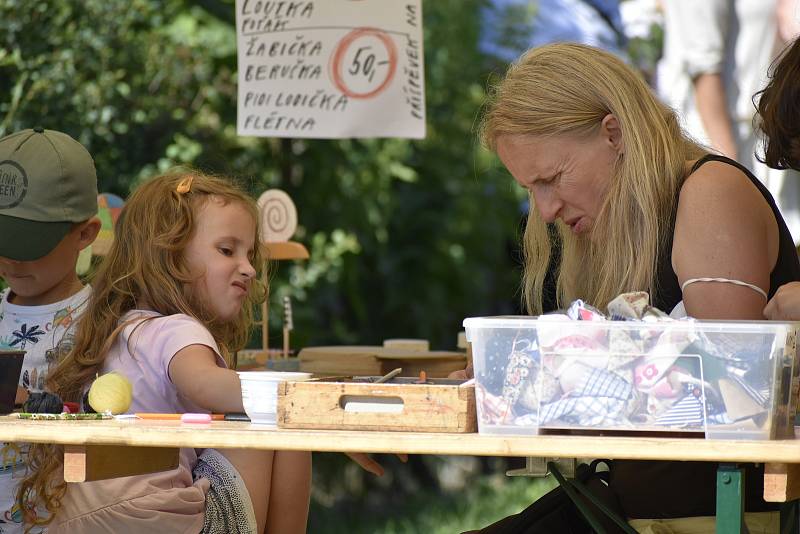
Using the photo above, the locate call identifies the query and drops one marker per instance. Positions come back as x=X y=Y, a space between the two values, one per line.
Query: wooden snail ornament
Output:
x=278 y=216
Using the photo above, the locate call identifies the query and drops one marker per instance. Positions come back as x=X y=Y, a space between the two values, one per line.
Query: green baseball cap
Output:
x=47 y=183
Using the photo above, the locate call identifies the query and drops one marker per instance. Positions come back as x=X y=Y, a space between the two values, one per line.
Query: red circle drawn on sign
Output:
x=341 y=50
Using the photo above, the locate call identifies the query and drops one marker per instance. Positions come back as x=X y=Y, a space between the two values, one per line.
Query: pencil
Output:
x=174 y=416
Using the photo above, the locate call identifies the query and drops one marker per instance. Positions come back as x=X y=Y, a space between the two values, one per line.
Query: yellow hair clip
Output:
x=185 y=185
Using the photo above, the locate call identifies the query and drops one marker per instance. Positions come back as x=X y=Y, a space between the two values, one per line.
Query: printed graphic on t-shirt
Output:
x=46 y=334
x=27 y=335
x=12 y=516
x=11 y=457
x=12 y=464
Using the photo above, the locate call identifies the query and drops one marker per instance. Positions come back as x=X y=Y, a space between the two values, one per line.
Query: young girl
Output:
x=172 y=301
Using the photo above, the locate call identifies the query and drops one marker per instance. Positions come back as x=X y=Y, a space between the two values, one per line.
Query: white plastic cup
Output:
x=260 y=393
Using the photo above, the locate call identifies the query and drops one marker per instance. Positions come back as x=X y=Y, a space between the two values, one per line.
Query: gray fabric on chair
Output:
x=228 y=506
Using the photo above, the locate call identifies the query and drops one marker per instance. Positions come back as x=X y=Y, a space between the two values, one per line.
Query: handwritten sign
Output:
x=330 y=68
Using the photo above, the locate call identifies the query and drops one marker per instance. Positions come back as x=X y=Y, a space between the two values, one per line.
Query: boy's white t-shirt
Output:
x=45 y=333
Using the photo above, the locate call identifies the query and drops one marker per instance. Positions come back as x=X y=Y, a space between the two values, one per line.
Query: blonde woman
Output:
x=637 y=206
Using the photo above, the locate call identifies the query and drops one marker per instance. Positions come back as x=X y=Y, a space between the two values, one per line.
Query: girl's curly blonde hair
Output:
x=146 y=264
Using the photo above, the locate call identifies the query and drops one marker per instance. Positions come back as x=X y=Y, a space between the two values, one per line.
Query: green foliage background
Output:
x=406 y=238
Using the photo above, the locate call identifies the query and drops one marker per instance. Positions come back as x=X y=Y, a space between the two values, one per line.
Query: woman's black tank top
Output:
x=658 y=489
x=787 y=268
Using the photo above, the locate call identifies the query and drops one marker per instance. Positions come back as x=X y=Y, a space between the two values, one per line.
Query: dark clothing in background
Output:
x=657 y=489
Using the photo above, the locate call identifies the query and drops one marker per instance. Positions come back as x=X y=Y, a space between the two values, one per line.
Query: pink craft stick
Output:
x=196 y=418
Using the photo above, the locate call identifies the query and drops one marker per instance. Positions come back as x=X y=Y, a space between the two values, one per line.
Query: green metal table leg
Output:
x=573 y=495
x=790 y=517
x=621 y=523
x=730 y=499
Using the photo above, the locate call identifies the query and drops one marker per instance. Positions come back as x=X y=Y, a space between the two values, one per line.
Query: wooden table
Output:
x=225 y=434
x=93 y=448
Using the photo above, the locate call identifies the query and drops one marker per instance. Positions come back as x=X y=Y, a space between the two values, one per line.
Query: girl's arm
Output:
x=724 y=229
x=198 y=378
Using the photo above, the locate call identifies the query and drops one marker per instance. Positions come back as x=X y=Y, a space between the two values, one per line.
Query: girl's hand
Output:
x=785 y=305
x=368 y=464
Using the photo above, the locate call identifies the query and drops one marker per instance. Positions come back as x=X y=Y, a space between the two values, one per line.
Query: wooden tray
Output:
x=373 y=360
x=400 y=405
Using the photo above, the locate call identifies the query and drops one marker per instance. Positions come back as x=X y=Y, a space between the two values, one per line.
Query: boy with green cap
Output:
x=48 y=214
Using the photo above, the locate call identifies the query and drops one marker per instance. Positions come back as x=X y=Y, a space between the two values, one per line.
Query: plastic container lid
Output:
x=529 y=321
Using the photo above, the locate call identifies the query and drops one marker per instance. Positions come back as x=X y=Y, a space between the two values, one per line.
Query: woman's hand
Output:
x=463 y=374
x=368 y=464
x=785 y=305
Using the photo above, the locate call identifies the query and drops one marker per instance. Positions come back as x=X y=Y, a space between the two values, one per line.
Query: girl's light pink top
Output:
x=165 y=502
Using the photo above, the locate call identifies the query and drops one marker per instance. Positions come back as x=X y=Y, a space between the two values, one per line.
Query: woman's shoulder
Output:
x=719 y=190
x=719 y=178
x=725 y=228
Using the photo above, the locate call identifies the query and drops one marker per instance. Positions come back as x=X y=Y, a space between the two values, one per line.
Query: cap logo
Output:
x=13 y=184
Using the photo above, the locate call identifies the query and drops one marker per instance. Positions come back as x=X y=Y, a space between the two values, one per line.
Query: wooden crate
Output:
x=346 y=405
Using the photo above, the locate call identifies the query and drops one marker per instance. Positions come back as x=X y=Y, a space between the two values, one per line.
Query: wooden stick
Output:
x=388 y=376
x=174 y=416
x=265 y=314
x=288 y=325
x=61 y=416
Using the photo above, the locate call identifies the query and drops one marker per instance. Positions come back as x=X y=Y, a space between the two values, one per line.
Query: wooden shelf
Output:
x=288 y=250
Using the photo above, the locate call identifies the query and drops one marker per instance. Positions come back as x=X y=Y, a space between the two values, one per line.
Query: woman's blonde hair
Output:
x=145 y=264
x=567 y=89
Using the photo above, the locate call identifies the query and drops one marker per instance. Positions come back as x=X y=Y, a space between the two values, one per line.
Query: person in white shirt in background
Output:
x=717 y=55
x=509 y=27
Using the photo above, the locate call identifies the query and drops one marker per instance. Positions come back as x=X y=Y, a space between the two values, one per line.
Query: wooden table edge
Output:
x=225 y=434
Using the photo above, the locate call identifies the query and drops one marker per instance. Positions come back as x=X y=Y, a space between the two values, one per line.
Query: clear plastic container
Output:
x=727 y=379
x=260 y=393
